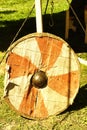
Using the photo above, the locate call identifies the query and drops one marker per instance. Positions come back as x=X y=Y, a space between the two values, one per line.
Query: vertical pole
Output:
x=85 y=17
x=67 y=25
x=38 y=7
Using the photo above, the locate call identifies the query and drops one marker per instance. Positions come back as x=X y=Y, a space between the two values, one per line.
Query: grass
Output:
x=19 y=9
x=75 y=117
x=12 y=14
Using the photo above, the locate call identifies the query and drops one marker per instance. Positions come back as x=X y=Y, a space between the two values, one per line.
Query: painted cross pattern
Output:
x=52 y=56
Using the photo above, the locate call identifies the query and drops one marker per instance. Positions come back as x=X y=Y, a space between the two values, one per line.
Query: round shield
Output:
x=42 y=75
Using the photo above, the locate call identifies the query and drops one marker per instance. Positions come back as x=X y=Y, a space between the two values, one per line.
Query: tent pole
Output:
x=38 y=7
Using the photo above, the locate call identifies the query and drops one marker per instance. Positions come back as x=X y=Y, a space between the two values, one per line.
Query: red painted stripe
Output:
x=19 y=66
x=41 y=110
x=65 y=84
x=33 y=104
x=28 y=102
x=50 y=49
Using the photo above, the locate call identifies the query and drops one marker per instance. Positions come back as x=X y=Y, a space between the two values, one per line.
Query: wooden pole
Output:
x=67 y=25
x=38 y=6
x=85 y=15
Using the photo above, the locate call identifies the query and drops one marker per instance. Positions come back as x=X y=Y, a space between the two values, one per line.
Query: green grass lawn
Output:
x=15 y=10
x=12 y=14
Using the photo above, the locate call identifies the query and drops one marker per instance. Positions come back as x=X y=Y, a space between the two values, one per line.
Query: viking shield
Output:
x=42 y=75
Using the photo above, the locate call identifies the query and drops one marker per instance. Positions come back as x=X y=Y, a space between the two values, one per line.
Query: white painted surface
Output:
x=38 y=6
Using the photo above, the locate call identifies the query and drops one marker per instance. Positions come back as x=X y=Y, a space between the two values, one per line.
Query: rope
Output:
x=76 y=17
x=23 y=24
x=51 y=22
x=46 y=6
x=18 y=31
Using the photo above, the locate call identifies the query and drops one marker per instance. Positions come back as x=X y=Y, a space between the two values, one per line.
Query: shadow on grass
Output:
x=7 y=12
x=80 y=100
x=7 y=33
